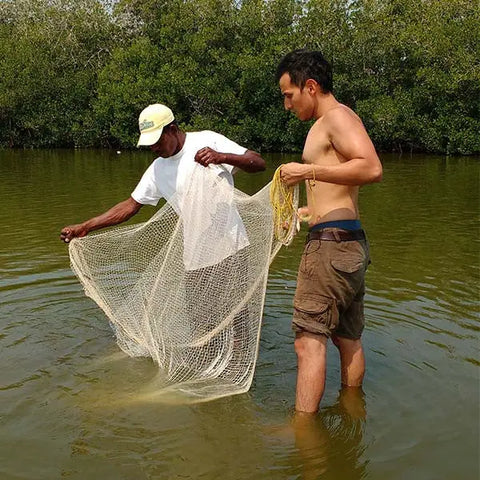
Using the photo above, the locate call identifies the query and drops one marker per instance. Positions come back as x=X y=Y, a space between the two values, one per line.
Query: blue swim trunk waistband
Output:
x=343 y=224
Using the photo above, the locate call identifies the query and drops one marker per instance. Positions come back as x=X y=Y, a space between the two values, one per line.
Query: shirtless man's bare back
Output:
x=338 y=158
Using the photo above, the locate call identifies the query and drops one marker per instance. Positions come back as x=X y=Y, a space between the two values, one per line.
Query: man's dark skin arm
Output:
x=121 y=212
x=250 y=161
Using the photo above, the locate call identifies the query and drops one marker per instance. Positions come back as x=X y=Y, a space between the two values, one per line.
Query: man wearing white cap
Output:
x=159 y=131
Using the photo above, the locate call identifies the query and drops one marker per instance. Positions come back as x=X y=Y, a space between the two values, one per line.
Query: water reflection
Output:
x=214 y=440
x=330 y=444
x=73 y=406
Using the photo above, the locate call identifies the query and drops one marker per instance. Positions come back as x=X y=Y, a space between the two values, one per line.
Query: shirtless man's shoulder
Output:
x=336 y=136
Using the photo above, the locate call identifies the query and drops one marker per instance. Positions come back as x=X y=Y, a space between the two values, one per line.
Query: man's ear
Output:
x=312 y=86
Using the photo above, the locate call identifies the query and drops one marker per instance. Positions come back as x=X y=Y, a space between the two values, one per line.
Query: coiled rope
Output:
x=284 y=200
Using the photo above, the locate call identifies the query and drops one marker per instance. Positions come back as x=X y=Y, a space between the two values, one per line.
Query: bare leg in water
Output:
x=320 y=436
x=311 y=353
x=352 y=360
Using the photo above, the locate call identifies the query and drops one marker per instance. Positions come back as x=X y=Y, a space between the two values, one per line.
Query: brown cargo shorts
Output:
x=330 y=287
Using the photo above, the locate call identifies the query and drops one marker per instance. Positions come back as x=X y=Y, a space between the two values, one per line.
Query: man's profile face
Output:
x=166 y=145
x=295 y=99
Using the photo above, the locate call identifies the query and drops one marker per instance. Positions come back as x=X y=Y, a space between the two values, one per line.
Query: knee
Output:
x=347 y=344
x=300 y=347
x=309 y=345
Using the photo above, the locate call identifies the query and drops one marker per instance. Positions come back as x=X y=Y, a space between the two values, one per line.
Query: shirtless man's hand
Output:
x=293 y=173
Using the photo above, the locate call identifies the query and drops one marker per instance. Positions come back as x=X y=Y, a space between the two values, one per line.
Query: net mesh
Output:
x=201 y=325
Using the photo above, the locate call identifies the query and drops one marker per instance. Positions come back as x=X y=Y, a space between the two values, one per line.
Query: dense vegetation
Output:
x=78 y=72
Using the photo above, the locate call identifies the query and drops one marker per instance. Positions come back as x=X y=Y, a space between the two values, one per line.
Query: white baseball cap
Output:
x=151 y=122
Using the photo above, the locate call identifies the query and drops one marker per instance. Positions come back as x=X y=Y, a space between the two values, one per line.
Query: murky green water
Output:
x=69 y=399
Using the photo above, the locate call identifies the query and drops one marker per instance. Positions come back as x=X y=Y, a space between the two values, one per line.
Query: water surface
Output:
x=73 y=406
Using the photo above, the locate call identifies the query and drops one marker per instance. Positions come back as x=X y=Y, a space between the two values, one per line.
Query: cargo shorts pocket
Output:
x=315 y=313
x=351 y=266
x=310 y=256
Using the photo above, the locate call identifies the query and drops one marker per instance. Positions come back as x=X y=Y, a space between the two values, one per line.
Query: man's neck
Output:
x=181 y=137
x=325 y=103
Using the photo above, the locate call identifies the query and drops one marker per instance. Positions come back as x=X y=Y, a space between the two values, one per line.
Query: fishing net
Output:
x=187 y=289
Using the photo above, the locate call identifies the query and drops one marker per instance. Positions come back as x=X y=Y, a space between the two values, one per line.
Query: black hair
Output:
x=304 y=64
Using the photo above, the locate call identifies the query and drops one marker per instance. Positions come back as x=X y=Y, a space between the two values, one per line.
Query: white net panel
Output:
x=201 y=325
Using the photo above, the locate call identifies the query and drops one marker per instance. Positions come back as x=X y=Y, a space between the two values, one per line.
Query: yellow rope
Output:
x=282 y=198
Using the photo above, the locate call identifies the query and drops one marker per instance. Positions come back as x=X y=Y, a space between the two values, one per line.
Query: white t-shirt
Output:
x=166 y=176
x=203 y=198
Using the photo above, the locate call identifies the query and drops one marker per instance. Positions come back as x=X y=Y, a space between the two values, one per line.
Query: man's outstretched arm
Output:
x=121 y=212
x=250 y=161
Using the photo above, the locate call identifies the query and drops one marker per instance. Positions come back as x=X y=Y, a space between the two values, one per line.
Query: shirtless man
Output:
x=338 y=158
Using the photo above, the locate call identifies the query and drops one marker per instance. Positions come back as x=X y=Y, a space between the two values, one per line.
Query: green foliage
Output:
x=78 y=73
x=416 y=77
x=52 y=53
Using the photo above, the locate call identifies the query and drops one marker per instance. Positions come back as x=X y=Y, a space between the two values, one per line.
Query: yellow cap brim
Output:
x=149 y=138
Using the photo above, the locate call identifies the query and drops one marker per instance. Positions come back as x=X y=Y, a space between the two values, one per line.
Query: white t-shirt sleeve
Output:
x=147 y=191
x=160 y=178
x=225 y=145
